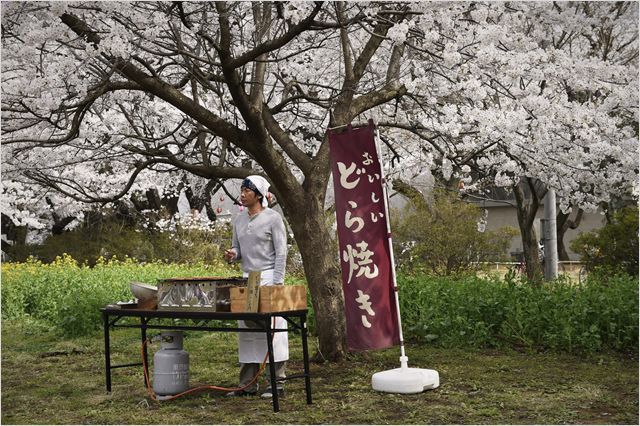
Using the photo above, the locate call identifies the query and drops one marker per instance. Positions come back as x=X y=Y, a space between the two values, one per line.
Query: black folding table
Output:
x=261 y=322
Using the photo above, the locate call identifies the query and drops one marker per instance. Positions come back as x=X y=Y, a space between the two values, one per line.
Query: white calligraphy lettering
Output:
x=365 y=321
x=367 y=159
x=349 y=221
x=345 y=173
x=365 y=305
x=360 y=261
x=374 y=218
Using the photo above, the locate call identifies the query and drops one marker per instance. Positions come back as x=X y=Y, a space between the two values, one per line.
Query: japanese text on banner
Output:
x=362 y=234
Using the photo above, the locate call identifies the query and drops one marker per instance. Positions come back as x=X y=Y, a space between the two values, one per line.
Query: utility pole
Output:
x=550 y=236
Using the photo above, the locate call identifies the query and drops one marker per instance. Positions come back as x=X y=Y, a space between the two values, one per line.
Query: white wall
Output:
x=500 y=216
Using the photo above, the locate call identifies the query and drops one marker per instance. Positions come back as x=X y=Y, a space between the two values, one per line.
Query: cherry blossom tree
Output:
x=146 y=88
x=531 y=96
x=105 y=99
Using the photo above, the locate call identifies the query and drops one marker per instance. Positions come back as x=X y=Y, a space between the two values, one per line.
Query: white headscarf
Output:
x=262 y=185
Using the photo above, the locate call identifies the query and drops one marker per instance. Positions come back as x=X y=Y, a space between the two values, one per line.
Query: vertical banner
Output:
x=362 y=235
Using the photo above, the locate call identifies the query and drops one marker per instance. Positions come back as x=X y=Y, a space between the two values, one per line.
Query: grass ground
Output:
x=48 y=380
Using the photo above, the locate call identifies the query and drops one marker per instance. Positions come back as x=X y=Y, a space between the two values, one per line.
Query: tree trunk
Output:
x=531 y=256
x=563 y=224
x=527 y=203
x=59 y=223
x=409 y=191
x=16 y=250
x=563 y=256
x=318 y=249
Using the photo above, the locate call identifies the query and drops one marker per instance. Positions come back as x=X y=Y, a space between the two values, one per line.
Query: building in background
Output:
x=500 y=207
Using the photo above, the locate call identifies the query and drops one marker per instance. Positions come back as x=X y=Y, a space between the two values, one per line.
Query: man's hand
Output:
x=230 y=255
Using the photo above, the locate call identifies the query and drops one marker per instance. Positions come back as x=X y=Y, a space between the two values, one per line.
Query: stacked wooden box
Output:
x=273 y=298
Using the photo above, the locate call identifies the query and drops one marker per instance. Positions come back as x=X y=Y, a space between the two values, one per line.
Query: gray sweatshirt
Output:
x=261 y=242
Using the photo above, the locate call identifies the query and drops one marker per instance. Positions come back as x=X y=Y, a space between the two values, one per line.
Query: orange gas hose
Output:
x=153 y=395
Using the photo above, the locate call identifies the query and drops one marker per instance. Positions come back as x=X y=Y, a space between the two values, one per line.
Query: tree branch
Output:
x=276 y=43
x=47 y=180
x=163 y=90
x=375 y=98
x=81 y=109
x=284 y=141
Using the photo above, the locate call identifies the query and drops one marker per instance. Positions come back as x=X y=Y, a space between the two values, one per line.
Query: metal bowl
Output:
x=143 y=292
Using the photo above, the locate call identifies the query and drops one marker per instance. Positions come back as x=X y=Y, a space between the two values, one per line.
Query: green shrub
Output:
x=615 y=245
x=443 y=238
x=487 y=312
x=68 y=296
x=453 y=311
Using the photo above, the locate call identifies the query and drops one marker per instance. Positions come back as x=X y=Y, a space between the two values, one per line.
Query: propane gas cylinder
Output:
x=170 y=365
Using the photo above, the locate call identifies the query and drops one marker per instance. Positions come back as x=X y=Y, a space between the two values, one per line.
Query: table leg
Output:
x=305 y=355
x=107 y=352
x=272 y=368
x=143 y=336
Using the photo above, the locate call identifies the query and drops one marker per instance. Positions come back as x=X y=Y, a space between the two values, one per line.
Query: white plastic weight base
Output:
x=405 y=379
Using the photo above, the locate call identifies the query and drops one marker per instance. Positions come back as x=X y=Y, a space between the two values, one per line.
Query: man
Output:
x=260 y=244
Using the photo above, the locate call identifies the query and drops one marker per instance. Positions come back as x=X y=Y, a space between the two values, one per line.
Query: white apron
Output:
x=252 y=347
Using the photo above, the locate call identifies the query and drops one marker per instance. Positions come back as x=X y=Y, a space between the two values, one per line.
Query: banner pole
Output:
x=403 y=379
x=403 y=358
